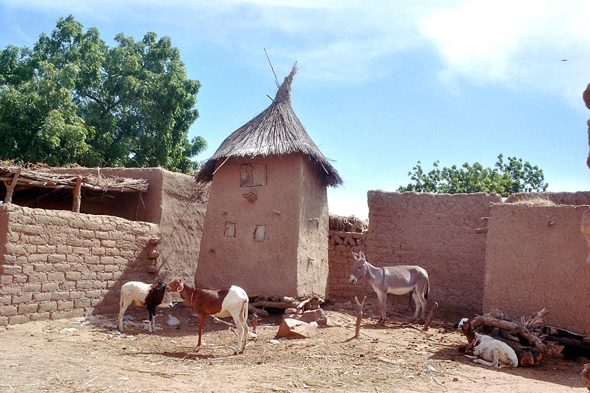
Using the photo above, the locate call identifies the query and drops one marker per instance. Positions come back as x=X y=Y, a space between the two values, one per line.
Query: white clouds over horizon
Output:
x=516 y=43
x=382 y=84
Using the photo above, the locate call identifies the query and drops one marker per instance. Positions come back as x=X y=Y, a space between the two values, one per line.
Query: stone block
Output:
x=318 y=316
x=293 y=328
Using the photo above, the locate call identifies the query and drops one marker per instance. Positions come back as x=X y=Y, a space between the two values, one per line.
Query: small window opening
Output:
x=252 y=175
x=260 y=232
x=230 y=230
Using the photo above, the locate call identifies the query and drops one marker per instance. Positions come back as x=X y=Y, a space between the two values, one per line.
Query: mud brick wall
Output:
x=57 y=264
x=535 y=259
x=340 y=247
x=442 y=234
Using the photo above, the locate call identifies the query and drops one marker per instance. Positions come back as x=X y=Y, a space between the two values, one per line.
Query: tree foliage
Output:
x=505 y=178
x=72 y=99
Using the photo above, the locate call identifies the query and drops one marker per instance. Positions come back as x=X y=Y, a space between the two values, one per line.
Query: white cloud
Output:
x=513 y=43
x=518 y=43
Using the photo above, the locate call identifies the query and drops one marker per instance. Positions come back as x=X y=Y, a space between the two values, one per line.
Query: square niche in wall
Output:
x=260 y=232
x=230 y=230
x=252 y=175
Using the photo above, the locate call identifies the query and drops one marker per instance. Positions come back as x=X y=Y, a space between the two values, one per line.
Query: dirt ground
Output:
x=89 y=355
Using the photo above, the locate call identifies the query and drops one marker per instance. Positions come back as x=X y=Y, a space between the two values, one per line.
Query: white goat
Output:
x=487 y=350
x=141 y=294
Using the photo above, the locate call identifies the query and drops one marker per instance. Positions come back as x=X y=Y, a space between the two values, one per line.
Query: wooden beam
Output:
x=10 y=190
x=77 y=195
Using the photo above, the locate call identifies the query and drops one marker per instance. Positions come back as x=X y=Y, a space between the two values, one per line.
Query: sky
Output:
x=382 y=84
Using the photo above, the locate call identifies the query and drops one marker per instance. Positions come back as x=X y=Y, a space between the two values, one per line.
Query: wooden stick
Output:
x=10 y=190
x=359 y=315
x=77 y=195
x=254 y=321
x=152 y=372
x=303 y=303
x=429 y=319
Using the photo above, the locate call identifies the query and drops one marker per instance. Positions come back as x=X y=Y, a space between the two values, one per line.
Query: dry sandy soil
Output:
x=88 y=355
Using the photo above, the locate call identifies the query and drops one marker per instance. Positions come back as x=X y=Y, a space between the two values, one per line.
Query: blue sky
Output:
x=381 y=84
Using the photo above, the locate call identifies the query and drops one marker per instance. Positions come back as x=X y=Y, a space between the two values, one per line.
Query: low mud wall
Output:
x=173 y=201
x=340 y=247
x=57 y=264
x=535 y=259
x=441 y=233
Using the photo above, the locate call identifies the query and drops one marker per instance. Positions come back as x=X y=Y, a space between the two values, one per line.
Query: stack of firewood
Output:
x=529 y=337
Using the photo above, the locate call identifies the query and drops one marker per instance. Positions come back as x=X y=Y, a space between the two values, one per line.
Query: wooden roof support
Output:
x=10 y=190
x=77 y=195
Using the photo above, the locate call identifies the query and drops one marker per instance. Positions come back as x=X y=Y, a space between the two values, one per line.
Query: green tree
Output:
x=73 y=99
x=505 y=178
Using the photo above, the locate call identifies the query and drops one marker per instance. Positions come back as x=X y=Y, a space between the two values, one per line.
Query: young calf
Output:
x=140 y=294
x=487 y=350
x=219 y=302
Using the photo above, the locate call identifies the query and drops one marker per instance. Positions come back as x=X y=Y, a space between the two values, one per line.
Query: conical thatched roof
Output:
x=275 y=131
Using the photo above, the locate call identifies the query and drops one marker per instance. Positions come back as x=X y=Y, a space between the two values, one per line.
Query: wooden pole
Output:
x=429 y=319
x=77 y=195
x=359 y=315
x=10 y=190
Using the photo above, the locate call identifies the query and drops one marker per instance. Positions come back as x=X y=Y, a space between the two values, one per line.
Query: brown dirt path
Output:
x=73 y=356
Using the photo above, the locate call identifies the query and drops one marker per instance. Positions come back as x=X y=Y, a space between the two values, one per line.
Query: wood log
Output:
x=534 y=340
x=527 y=356
x=568 y=341
x=271 y=304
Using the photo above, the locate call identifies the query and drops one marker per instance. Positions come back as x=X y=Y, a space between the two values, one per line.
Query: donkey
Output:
x=397 y=280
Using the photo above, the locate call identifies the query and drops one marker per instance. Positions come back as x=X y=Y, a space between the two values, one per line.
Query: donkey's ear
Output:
x=361 y=255
x=180 y=287
x=356 y=257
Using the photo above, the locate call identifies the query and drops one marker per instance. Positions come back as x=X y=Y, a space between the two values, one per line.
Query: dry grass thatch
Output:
x=39 y=177
x=36 y=182
x=348 y=224
x=535 y=201
x=275 y=131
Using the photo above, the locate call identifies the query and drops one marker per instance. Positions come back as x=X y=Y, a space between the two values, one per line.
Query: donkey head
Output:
x=358 y=268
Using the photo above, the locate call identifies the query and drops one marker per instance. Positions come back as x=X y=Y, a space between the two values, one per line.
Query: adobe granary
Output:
x=267 y=217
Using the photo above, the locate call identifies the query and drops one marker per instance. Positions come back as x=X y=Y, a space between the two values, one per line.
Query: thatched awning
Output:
x=275 y=131
x=31 y=184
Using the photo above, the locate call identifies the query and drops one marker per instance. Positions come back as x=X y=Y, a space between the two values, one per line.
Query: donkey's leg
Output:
x=382 y=296
x=418 y=302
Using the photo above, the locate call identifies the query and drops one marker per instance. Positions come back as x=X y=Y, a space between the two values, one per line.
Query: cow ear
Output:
x=180 y=287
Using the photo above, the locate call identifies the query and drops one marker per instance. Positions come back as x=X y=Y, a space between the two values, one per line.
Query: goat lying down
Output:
x=486 y=349
x=141 y=294
x=219 y=302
